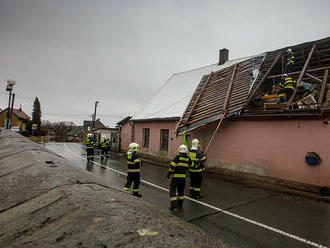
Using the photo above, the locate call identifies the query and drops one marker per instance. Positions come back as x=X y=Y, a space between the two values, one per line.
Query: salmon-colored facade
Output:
x=128 y=136
x=274 y=148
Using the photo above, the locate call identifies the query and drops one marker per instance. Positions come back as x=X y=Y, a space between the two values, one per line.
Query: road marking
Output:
x=289 y=235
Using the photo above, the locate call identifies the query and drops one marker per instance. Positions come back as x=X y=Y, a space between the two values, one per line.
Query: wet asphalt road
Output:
x=307 y=220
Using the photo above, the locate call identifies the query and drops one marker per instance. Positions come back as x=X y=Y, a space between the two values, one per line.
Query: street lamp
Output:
x=10 y=85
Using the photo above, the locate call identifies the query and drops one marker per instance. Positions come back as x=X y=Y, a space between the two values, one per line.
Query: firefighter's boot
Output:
x=191 y=193
x=180 y=204
x=137 y=194
x=173 y=205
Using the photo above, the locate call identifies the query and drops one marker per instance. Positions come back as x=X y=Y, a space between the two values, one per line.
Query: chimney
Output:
x=223 y=56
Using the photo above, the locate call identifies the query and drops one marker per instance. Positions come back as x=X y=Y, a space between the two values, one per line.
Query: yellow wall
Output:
x=15 y=121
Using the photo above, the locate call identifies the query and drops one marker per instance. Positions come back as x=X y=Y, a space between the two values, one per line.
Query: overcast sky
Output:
x=71 y=53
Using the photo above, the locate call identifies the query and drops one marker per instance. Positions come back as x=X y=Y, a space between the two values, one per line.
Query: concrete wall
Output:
x=154 y=140
x=274 y=148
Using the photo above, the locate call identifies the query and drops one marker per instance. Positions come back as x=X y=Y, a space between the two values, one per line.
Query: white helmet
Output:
x=195 y=143
x=133 y=147
x=285 y=76
x=183 y=149
x=104 y=137
x=289 y=50
x=89 y=135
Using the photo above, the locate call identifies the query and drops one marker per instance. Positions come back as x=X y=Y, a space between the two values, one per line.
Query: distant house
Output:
x=18 y=119
x=110 y=133
x=87 y=125
x=227 y=107
x=75 y=135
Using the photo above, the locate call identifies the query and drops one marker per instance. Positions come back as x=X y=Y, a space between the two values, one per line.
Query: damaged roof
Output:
x=172 y=98
x=229 y=91
x=220 y=93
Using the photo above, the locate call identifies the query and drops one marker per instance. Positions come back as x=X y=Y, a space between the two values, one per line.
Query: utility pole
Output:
x=12 y=108
x=10 y=85
x=94 y=115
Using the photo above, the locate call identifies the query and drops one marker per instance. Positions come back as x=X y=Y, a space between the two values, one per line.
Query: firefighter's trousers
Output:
x=104 y=152
x=133 y=177
x=177 y=191
x=90 y=153
x=195 y=183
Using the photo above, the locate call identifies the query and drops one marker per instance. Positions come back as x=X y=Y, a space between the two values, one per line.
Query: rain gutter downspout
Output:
x=132 y=130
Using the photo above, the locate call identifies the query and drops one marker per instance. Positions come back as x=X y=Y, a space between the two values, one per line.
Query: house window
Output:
x=145 y=137
x=164 y=139
x=114 y=137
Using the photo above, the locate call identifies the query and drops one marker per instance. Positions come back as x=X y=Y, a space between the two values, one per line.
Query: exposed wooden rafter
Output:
x=298 y=72
x=313 y=77
x=324 y=83
x=199 y=95
x=224 y=108
x=303 y=72
x=265 y=76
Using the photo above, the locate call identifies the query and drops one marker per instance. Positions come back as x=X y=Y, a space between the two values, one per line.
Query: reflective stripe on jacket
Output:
x=89 y=143
x=133 y=163
x=104 y=143
x=180 y=165
x=290 y=60
x=197 y=156
x=288 y=83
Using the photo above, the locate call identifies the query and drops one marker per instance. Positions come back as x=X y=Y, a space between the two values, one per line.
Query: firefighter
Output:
x=287 y=87
x=289 y=61
x=90 y=147
x=178 y=169
x=134 y=165
x=104 y=148
x=197 y=156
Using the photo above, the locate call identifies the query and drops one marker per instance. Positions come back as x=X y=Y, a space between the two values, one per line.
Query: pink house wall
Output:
x=274 y=148
x=154 y=139
x=125 y=136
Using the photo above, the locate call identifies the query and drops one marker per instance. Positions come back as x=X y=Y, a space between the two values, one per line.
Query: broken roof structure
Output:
x=228 y=92
x=171 y=99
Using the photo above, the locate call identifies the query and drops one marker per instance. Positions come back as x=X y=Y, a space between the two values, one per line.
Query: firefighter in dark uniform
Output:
x=178 y=169
x=104 y=147
x=90 y=147
x=196 y=172
x=289 y=61
x=134 y=165
x=287 y=87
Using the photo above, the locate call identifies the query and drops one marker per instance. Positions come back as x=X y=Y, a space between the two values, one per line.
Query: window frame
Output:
x=161 y=145
x=144 y=132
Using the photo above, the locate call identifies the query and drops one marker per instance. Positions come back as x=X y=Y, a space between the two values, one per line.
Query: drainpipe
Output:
x=132 y=130
x=119 y=137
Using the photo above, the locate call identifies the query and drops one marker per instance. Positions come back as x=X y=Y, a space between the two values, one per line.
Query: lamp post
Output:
x=10 y=85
